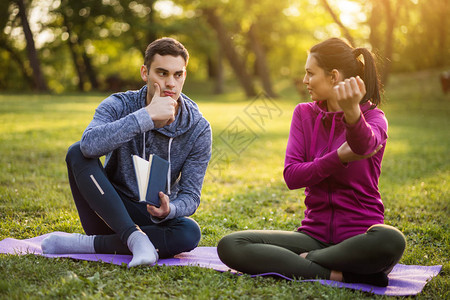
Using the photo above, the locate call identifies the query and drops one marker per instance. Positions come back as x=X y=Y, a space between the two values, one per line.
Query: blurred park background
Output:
x=60 y=58
x=97 y=45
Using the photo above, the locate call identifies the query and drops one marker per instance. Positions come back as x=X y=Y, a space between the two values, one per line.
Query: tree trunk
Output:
x=389 y=41
x=443 y=28
x=374 y=22
x=92 y=75
x=73 y=52
x=16 y=57
x=76 y=65
x=336 y=19
x=215 y=71
x=262 y=69
x=38 y=77
x=151 y=32
x=230 y=52
x=219 y=78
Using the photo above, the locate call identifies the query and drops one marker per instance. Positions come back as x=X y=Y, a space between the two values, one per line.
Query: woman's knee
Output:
x=391 y=240
x=225 y=243
x=228 y=246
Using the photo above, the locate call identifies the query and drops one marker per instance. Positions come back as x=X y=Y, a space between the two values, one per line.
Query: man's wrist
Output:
x=144 y=120
x=171 y=215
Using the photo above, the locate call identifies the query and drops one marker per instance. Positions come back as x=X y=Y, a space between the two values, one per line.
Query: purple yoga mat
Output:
x=404 y=280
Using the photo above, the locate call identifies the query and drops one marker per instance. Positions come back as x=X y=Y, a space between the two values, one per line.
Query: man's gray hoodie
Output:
x=118 y=129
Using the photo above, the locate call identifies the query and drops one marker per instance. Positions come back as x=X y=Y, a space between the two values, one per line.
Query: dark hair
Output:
x=335 y=53
x=165 y=46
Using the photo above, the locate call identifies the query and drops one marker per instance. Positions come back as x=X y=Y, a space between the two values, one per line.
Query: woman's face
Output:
x=319 y=83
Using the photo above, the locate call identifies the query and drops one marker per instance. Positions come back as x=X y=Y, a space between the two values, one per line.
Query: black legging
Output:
x=264 y=251
x=112 y=218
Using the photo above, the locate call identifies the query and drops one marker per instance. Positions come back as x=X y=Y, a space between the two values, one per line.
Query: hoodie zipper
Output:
x=329 y=192
x=330 y=201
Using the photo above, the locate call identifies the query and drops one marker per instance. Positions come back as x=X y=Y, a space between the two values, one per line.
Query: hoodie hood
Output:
x=187 y=116
x=320 y=107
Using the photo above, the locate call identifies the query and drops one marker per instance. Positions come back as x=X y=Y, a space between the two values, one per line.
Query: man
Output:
x=157 y=119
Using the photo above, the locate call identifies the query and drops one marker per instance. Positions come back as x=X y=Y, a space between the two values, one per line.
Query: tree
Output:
x=262 y=69
x=142 y=18
x=391 y=12
x=226 y=45
x=382 y=12
x=18 y=59
x=215 y=70
x=337 y=20
x=83 y=21
x=38 y=77
x=428 y=31
x=255 y=41
x=5 y=44
x=79 y=68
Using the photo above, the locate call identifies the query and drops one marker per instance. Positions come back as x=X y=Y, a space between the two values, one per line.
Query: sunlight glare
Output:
x=350 y=13
x=291 y=11
x=167 y=8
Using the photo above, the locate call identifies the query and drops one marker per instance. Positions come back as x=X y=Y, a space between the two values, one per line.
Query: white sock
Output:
x=144 y=253
x=64 y=244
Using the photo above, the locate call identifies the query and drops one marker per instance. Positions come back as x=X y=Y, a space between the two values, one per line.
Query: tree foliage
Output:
x=98 y=45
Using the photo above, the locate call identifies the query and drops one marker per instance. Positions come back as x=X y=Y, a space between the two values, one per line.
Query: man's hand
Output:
x=348 y=94
x=162 y=211
x=346 y=154
x=161 y=109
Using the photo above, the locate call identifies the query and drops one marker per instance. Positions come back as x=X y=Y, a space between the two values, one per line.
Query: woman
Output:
x=335 y=147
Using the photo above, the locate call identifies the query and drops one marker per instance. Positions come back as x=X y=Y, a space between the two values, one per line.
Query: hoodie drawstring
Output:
x=333 y=126
x=168 y=158
x=315 y=131
x=143 y=147
x=168 y=172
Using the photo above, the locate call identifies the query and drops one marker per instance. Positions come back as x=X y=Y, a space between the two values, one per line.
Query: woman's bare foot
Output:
x=304 y=254
x=336 y=275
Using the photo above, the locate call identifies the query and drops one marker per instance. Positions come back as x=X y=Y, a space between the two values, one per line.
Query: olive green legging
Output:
x=265 y=251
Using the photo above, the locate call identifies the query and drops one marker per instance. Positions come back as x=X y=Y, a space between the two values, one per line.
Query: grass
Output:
x=243 y=189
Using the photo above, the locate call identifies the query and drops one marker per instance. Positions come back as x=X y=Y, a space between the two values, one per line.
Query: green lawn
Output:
x=243 y=189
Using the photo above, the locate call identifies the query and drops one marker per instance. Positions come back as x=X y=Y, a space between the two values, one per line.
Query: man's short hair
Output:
x=165 y=46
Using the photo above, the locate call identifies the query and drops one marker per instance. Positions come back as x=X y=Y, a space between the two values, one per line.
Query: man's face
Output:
x=169 y=72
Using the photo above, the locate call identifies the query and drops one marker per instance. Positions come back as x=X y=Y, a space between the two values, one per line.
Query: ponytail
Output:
x=369 y=75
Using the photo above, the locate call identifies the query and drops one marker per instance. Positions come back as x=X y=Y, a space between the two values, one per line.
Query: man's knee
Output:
x=74 y=153
x=191 y=234
x=76 y=160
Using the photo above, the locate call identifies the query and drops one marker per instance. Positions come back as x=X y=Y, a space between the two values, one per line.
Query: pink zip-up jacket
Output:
x=342 y=200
